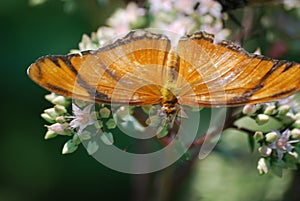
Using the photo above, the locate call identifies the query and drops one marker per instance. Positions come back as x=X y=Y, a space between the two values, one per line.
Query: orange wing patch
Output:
x=110 y=74
x=142 y=69
x=225 y=74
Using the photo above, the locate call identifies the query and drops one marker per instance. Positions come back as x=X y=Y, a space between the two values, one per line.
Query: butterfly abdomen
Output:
x=169 y=99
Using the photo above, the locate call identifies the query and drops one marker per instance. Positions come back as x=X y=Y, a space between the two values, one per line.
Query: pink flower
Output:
x=121 y=20
x=83 y=117
x=58 y=128
x=210 y=7
x=186 y=6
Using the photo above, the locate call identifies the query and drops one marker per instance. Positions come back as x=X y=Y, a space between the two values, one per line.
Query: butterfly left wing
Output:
x=128 y=71
x=225 y=74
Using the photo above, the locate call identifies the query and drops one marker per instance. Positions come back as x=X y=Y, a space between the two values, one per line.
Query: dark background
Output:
x=32 y=168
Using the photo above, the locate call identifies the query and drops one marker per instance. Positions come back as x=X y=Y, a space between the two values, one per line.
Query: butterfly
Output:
x=145 y=68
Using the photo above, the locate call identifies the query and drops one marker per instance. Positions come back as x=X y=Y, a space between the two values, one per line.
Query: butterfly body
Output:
x=142 y=69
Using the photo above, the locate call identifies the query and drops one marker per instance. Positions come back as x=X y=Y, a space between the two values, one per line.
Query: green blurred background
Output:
x=33 y=169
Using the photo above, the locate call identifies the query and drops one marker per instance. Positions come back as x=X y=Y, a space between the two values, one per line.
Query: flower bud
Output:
x=85 y=135
x=59 y=128
x=98 y=124
x=60 y=119
x=92 y=147
x=270 y=109
x=60 y=110
x=294 y=154
x=50 y=97
x=47 y=117
x=249 y=109
x=271 y=137
x=288 y=118
x=295 y=133
x=51 y=112
x=262 y=119
x=60 y=100
x=262 y=166
x=297 y=123
x=283 y=109
x=111 y=124
x=69 y=147
x=258 y=135
x=50 y=134
x=297 y=116
x=265 y=151
x=104 y=112
x=107 y=138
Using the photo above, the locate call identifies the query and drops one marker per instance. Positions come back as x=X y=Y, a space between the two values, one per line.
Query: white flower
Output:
x=83 y=117
x=160 y=5
x=181 y=25
x=121 y=20
x=210 y=7
x=186 y=6
x=289 y=4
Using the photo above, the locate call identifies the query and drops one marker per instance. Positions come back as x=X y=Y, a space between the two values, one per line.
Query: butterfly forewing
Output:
x=58 y=74
x=129 y=70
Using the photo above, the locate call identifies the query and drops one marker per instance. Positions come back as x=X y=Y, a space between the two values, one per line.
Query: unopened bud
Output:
x=297 y=123
x=60 y=110
x=262 y=119
x=295 y=133
x=297 y=116
x=258 y=135
x=249 y=109
x=50 y=97
x=270 y=109
x=61 y=100
x=111 y=124
x=59 y=128
x=262 y=166
x=265 y=151
x=283 y=109
x=104 y=112
x=50 y=134
x=60 y=119
x=92 y=147
x=271 y=137
x=51 y=112
x=107 y=138
x=48 y=118
x=69 y=147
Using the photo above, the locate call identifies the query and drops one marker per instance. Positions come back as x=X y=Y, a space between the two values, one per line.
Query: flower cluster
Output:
x=87 y=122
x=278 y=141
x=279 y=149
x=180 y=17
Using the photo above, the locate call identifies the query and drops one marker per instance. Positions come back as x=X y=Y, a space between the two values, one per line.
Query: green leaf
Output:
x=251 y=142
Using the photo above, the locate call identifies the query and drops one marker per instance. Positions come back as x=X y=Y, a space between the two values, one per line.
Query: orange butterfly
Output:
x=143 y=68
